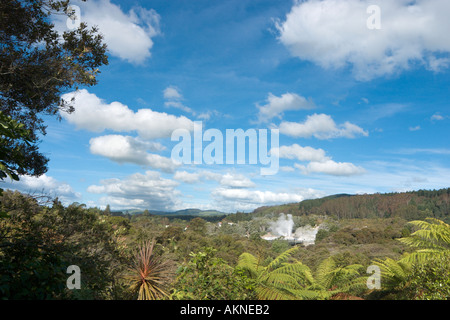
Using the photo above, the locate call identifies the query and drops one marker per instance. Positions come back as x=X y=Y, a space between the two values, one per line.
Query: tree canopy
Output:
x=37 y=65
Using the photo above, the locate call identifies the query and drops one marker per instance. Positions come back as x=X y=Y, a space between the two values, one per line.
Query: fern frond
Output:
x=249 y=263
x=282 y=258
x=302 y=273
x=433 y=234
x=308 y=294
x=271 y=293
x=393 y=273
x=423 y=255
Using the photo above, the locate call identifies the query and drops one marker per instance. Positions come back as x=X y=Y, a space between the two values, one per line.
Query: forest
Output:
x=145 y=256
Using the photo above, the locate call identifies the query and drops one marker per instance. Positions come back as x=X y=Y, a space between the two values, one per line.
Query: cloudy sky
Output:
x=359 y=94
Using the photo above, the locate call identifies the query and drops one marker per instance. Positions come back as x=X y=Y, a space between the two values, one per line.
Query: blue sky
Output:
x=359 y=110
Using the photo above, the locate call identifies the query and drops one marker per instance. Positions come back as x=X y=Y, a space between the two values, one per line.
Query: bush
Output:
x=431 y=280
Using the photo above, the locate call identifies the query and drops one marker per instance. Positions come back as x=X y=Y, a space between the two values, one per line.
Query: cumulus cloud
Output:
x=320 y=126
x=140 y=191
x=232 y=180
x=127 y=35
x=93 y=114
x=187 y=177
x=126 y=149
x=334 y=34
x=319 y=162
x=245 y=199
x=331 y=167
x=44 y=185
x=236 y=181
x=277 y=105
x=302 y=153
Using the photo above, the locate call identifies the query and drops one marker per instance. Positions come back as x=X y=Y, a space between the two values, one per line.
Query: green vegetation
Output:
x=147 y=256
x=38 y=65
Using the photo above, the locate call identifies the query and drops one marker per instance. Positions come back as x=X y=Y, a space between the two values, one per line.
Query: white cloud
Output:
x=437 y=117
x=174 y=99
x=410 y=151
x=178 y=105
x=332 y=168
x=236 y=181
x=321 y=126
x=93 y=114
x=127 y=35
x=233 y=180
x=141 y=191
x=334 y=33
x=302 y=153
x=187 y=177
x=44 y=185
x=172 y=93
x=318 y=161
x=277 y=105
x=126 y=149
x=208 y=114
x=416 y=128
x=243 y=199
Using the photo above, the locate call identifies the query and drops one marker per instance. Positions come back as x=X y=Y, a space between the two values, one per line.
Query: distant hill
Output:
x=408 y=205
x=184 y=212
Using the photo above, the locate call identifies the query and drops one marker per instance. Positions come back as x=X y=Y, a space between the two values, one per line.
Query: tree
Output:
x=11 y=160
x=37 y=65
x=198 y=225
x=207 y=277
x=107 y=211
x=38 y=243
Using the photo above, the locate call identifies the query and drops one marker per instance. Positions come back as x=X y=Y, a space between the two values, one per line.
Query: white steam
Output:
x=283 y=226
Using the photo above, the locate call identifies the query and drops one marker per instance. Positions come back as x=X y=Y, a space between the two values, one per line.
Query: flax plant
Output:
x=149 y=274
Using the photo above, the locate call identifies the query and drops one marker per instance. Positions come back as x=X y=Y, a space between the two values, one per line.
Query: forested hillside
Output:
x=408 y=205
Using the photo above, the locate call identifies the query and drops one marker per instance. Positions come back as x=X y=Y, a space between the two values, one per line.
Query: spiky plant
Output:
x=432 y=239
x=149 y=274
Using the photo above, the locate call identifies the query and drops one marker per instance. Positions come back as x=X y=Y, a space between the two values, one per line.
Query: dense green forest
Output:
x=145 y=256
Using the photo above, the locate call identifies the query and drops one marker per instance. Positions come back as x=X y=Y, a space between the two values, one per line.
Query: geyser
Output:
x=283 y=226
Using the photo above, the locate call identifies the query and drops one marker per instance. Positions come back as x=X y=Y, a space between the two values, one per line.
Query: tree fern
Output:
x=282 y=258
x=285 y=280
x=431 y=239
x=279 y=279
x=337 y=279
x=394 y=273
x=249 y=263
